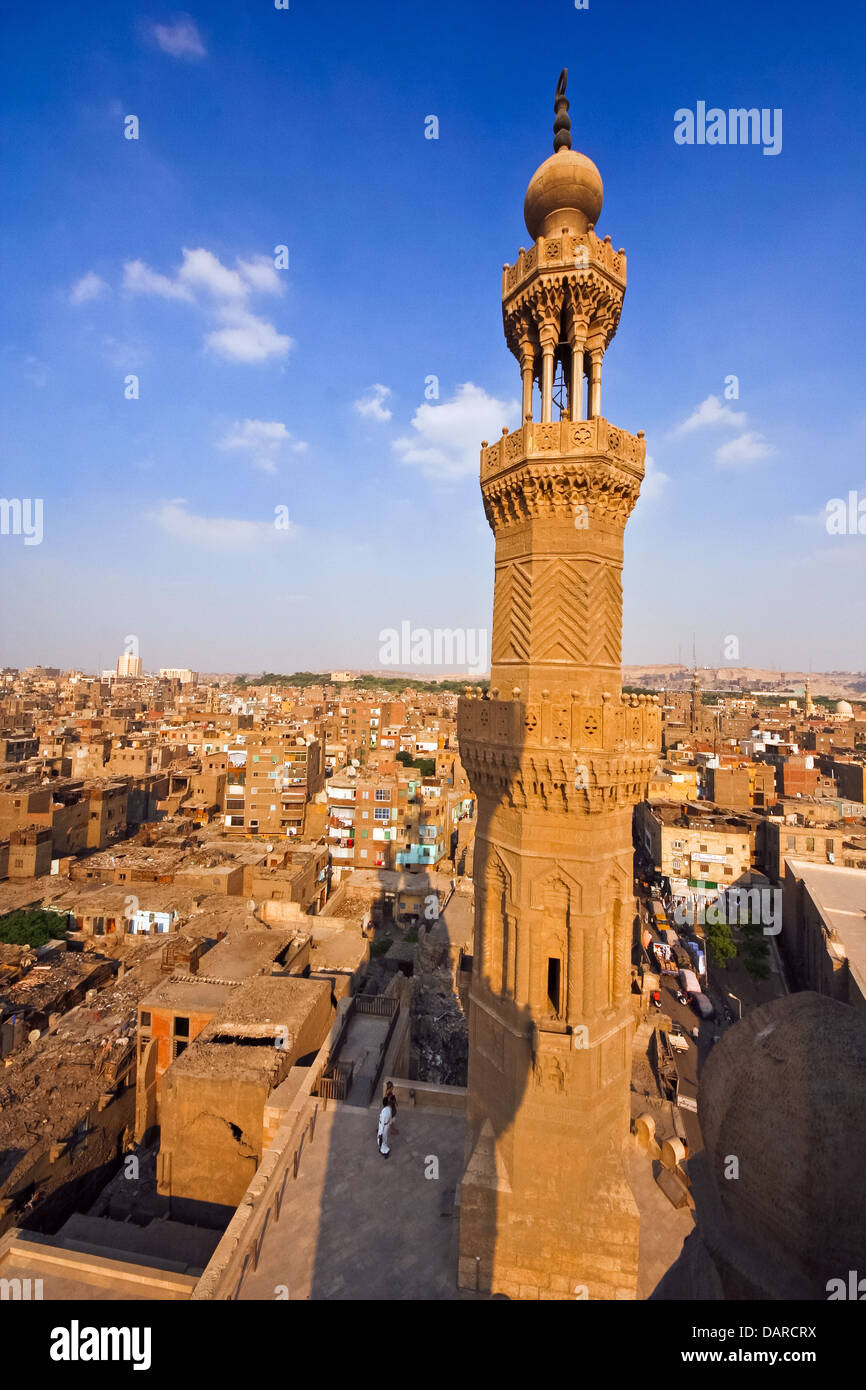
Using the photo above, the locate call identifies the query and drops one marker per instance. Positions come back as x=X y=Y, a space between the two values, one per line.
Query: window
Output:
x=382 y=794
x=810 y=842
x=382 y=813
x=553 y=983
x=145 y=1018
x=703 y=849
x=792 y=842
x=179 y=1047
x=181 y=1027
x=363 y=834
x=729 y=849
x=829 y=846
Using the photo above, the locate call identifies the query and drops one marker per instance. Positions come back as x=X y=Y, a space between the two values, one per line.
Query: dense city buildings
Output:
x=486 y=967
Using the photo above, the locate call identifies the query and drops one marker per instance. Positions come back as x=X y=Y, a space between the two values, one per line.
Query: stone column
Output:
x=527 y=367
x=575 y=392
x=548 y=347
x=596 y=355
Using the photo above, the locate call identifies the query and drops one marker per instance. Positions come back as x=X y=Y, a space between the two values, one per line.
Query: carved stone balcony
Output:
x=566 y=439
x=565 y=253
x=575 y=756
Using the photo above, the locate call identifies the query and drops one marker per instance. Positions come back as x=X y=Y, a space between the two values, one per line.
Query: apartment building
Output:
x=823 y=937
x=359 y=724
x=694 y=848
x=842 y=843
x=751 y=786
x=848 y=774
x=270 y=780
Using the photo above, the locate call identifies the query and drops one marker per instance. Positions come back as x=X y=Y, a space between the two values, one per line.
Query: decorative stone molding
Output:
x=564 y=440
x=565 y=253
x=560 y=756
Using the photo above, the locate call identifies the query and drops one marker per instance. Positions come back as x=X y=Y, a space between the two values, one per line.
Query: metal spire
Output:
x=562 y=124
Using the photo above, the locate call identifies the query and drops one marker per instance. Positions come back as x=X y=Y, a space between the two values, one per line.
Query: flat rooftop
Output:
x=188 y=995
x=357 y=1226
x=243 y=953
x=255 y=1008
x=840 y=895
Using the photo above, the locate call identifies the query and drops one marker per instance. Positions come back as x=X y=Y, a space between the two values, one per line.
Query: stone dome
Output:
x=843 y=707
x=783 y=1093
x=565 y=191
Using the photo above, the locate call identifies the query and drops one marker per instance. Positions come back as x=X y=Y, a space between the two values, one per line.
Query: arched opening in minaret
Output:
x=570 y=397
x=561 y=374
x=554 y=982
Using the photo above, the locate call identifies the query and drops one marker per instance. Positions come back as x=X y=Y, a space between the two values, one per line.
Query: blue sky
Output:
x=304 y=128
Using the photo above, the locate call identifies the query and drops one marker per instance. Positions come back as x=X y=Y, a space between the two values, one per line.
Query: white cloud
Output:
x=213 y=532
x=372 y=404
x=746 y=448
x=712 y=412
x=180 y=39
x=654 y=481
x=246 y=338
x=203 y=270
x=90 y=286
x=138 y=278
x=262 y=441
x=261 y=275
x=447 y=439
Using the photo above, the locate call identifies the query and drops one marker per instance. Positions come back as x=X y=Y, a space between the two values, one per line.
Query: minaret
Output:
x=696 y=701
x=808 y=707
x=557 y=757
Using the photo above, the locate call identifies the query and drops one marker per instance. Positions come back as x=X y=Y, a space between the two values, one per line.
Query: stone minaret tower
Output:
x=696 y=702
x=557 y=757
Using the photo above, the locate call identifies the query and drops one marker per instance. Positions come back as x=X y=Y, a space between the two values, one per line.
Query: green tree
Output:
x=721 y=943
x=31 y=927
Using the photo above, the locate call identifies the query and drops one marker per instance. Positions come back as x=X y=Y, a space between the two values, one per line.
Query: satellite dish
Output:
x=33 y=1035
x=269 y=848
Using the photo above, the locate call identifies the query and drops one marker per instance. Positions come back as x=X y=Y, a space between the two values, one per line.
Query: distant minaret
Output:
x=808 y=707
x=557 y=756
x=696 y=702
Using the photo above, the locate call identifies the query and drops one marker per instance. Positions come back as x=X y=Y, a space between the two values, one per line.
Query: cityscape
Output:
x=480 y=915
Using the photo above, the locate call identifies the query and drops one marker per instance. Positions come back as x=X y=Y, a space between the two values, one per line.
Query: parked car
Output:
x=703 y=1006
